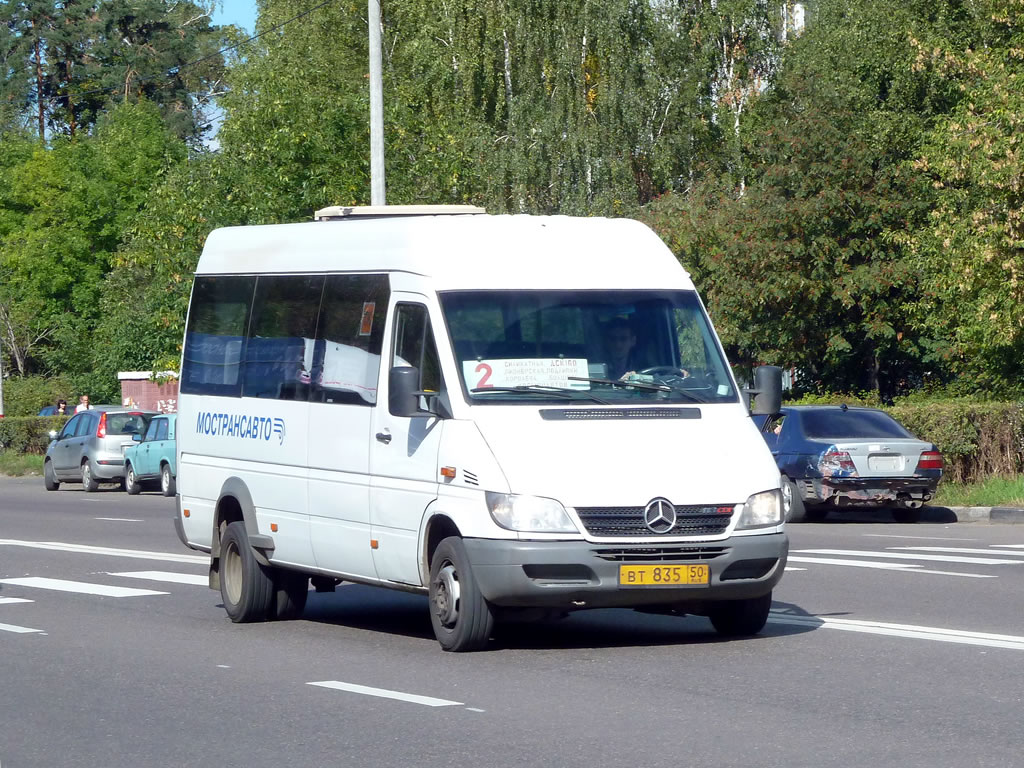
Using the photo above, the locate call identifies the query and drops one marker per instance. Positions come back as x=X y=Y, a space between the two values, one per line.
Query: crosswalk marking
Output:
x=908 y=556
x=81 y=587
x=168 y=576
x=113 y=552
x=962 y=550
x=904 y=567
x=17 y=630
x=8 y=600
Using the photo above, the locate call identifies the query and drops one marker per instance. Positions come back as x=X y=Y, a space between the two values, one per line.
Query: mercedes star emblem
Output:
x=660 y=515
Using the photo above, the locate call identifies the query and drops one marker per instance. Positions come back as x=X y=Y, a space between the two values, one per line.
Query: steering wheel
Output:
x=665 y=370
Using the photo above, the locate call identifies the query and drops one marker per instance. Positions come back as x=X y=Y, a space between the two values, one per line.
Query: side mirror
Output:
x=403 y=391
x=53 y=434
x=136 y=437
x=768 y=388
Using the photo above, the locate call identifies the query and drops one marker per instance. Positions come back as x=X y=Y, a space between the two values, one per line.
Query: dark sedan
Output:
x=832 y=457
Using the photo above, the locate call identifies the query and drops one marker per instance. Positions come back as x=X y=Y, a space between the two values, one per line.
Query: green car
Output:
x=152 y=456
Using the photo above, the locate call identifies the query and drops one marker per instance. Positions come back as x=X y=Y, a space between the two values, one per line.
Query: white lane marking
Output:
x=121 y=519
x=474 y=709
x=1012 y=546
x=789 y=568
x=900 y=556
x=962 y=550
x=168 y=576
x=88 y=549
x=938 y=634
x=81 y=587
x=927 y=538
x=9 y=600
x=904 y=567
x=16 y=629
x=386 y=694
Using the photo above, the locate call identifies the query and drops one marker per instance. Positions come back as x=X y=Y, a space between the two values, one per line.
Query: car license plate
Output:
x=663 y=575
x=885 y=463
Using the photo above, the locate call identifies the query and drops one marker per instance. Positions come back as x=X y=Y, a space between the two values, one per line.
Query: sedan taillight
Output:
x=101 y=430
x=930 y=460
x=835 y=463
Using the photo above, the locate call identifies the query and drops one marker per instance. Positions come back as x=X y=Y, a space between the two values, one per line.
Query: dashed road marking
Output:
x=962 y=550
x=902 y=567
x=168 y=576
x=88 y=549
x=17 y=630
x=384 y=693
x=9 y=600
x=79 y=587
x=121 y=519
x=901 y=556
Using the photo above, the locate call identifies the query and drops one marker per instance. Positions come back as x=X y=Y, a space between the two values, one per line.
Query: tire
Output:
x=88 y=481
x=246 y=586
x=49 y=479
x=459 y=613
x=290 y=592
x=166 y=480
x=740 y=618
x=795 y=510
x=906 y=515
x=131 y=482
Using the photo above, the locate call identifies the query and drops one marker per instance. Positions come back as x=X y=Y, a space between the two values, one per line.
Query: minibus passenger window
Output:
x=217 y=321
x=279 y=352
x=349 y=338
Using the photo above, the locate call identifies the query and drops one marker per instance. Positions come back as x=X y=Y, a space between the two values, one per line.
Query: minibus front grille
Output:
x=703 y=520
x=659 y=554
x=605 y=414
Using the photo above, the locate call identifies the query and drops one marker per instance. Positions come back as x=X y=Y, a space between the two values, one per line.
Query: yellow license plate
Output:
x=663 y=575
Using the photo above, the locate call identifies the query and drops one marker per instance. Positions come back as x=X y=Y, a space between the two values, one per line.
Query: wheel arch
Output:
x=437 y=527
x=235 y=504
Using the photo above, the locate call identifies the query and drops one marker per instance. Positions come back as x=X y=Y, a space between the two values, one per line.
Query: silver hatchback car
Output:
x=90 y=448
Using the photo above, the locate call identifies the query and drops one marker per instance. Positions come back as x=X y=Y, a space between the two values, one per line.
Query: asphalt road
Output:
x=896 y=645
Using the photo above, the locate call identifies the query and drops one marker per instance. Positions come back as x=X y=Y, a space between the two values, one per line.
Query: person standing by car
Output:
x=62 y=408
x=83 y=404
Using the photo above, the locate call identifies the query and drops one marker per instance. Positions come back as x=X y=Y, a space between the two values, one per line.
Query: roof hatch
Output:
x=339 y=212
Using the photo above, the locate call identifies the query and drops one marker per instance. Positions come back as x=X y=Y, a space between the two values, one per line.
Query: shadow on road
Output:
x=885 y=515
x=379 y=610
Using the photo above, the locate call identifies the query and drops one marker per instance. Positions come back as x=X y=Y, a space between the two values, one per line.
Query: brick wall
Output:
x=141 y=392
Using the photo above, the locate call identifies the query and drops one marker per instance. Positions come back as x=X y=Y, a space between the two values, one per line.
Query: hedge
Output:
x=29 y=434
x=26 y=395
x=978 y=439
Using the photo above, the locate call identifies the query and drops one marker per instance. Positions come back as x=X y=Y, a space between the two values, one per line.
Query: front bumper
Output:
x=868 y=490
x=579 y=574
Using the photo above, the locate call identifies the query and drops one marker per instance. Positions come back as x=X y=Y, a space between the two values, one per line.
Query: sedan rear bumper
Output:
x=868 y=490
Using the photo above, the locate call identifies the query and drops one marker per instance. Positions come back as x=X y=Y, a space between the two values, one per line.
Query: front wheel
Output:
x=246 y=586
x=88 y=481
x=740 y=618
x=166 y=480
x=131 y=481
x=49 y=478
x=461 y=617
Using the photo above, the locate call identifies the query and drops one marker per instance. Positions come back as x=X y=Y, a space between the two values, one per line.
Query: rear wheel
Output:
x=88 y=481
x=49 y=478
x=246 y=586
x=459 y=613
x=290 y=592
x=791 y=501
x=739 y=618
x=166 y=480
x=131 y=482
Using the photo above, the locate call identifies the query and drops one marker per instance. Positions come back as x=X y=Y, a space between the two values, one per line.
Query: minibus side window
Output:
x=349 y=338
x=214 y=344
x=414 y=345
x=279 y=351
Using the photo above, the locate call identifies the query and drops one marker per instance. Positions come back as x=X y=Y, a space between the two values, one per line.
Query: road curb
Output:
x=1003 y=515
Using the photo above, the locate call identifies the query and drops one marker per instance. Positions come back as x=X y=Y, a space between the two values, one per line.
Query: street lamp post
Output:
x=377 y=196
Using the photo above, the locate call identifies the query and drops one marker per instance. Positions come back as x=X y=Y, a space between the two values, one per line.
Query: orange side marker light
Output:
x=448 y=472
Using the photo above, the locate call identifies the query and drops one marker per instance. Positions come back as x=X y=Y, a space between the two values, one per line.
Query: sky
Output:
x=239 y=12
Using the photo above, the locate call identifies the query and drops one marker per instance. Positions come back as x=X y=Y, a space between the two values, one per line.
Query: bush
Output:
x=26 y=395
x=28 y=434
x=978 y=438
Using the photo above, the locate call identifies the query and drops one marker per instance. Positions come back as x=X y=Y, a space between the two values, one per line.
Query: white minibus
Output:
x=517 y=416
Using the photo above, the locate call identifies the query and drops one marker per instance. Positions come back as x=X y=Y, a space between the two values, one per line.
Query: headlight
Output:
x=761 y=510
x=528 y=513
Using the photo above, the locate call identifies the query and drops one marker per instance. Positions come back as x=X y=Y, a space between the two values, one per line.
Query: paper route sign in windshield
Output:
x=540 y=371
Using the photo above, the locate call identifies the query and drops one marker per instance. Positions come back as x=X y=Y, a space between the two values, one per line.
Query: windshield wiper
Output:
x=621 y=383
x=537 y=389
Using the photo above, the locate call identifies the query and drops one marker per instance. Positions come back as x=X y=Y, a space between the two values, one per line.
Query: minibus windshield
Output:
x=609 y=346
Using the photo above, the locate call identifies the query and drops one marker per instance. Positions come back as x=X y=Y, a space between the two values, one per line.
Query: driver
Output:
x=620 y=348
